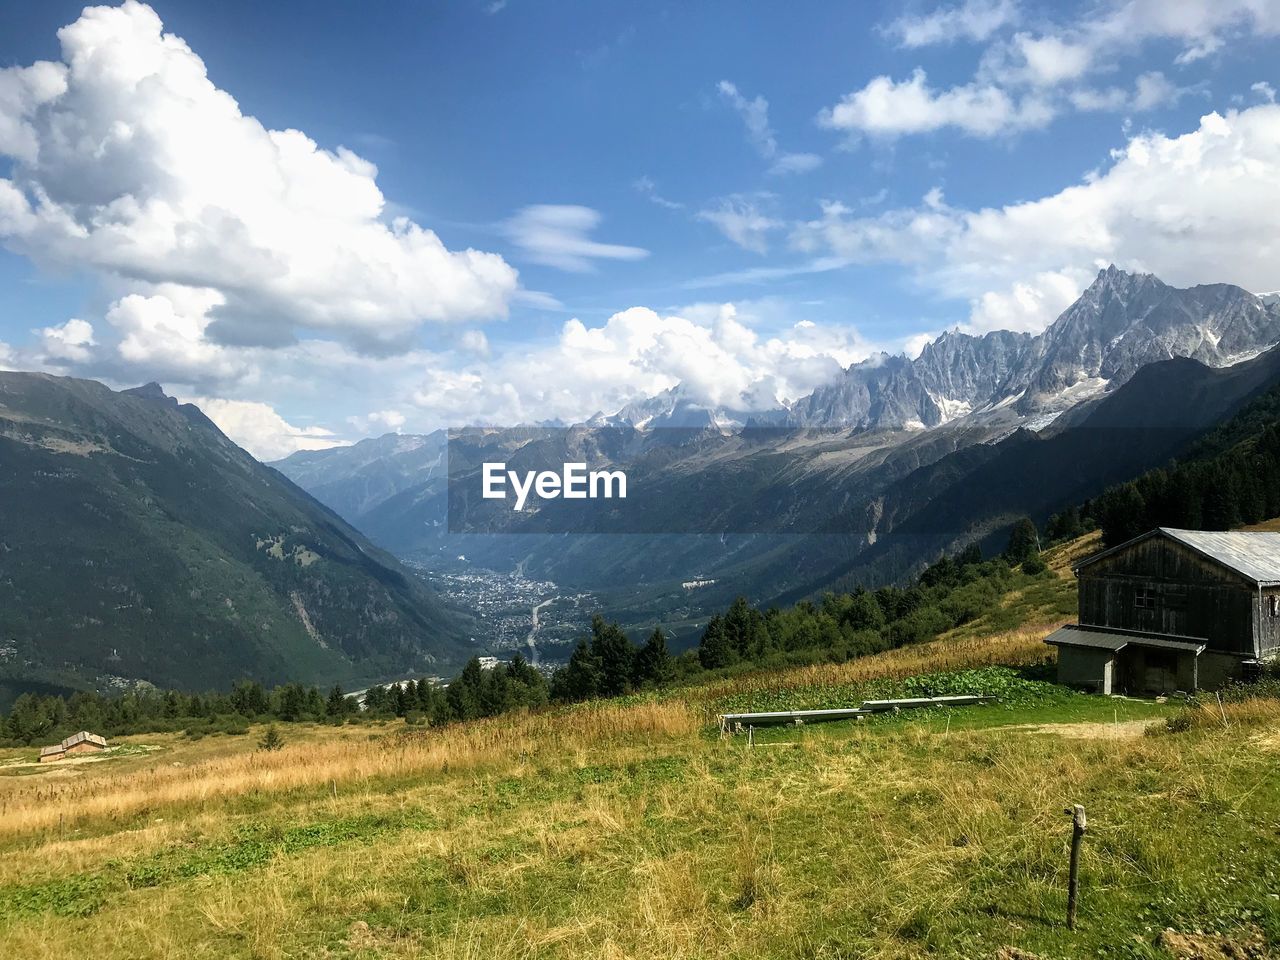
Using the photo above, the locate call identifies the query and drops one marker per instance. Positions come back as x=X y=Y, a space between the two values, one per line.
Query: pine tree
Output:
x=715 y=649
x=1024 y=542
x=336 y=705
x=464 y=692
x=615 y=653
x=653 y=662
x=579 y=679
x=271 y=739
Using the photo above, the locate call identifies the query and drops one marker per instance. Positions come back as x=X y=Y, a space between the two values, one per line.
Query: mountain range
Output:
x=788 y=498
x=1122 y=322
x=137 y=541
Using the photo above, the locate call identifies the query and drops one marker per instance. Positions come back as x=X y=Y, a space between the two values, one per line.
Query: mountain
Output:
x=1157 y=415
x=674 y=408
x=138 y=542
x=353 y=480
x=787 y=500
x=1122 y=322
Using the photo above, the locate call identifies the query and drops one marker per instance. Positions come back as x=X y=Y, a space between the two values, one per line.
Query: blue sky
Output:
x=756 y=193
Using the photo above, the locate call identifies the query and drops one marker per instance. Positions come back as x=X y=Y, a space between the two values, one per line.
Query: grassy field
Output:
x=631 y=829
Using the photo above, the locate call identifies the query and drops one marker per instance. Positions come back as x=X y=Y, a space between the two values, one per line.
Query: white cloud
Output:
x=1202 y=25
x=7 y=357
x=1026 y=78
x=165 y=334
x=1049 y=61
x=380 y=421
x=260 y=430
x=648 y=189
x=1150 y=90
x=795 y=163
x=712 y=349
x=556 y=235
x=1026 y=305
x=755 y=116
x=1264 y=90
x=888 y=108
x=70 y=341
x=474 y=341
x=1192 y=209
x=740 y=219
x=972 y=20
x=128 y=160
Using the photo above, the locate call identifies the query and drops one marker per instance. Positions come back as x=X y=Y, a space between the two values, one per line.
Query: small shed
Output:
x=82 y=742
x=53 y=752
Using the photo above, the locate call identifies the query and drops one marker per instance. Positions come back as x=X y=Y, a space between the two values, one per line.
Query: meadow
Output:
x=629 y=828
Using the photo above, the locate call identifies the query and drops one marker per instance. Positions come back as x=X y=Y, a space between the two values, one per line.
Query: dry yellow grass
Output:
x=37 y=804
x=616 y=830
x=1061 y=558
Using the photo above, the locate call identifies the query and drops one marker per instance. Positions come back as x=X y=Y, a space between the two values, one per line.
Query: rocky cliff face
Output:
x=1122 y=322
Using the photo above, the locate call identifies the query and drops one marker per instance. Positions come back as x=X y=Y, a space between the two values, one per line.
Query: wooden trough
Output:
x=732 y=722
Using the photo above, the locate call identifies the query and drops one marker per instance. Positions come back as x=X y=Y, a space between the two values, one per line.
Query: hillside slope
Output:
x=137 y=541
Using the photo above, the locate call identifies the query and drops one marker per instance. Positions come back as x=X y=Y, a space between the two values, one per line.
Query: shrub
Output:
x=271 y=739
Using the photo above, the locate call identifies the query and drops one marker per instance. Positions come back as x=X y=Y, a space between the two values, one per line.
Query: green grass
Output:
x=925 y=833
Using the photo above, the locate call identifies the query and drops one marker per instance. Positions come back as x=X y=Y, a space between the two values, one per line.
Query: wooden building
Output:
x=1173 y=610
x=82 y=742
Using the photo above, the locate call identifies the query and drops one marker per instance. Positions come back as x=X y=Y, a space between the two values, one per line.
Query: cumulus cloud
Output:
x=1188 y=208
x=755 y=117
x=125 y=158
x=556 y=235
x=739 y=218
x=380 y=421
x=889 y=108
x=974 y=20
x=70 y=341
x=714 y=350
x=260 y=430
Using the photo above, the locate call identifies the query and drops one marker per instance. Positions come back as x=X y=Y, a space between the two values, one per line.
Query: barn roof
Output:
x=1115 y=640
x=1255 y=556
x=84 y=736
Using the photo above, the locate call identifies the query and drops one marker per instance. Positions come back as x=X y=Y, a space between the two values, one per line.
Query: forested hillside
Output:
x=138 y=543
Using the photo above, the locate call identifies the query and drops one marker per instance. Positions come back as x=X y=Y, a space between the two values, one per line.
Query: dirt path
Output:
x=1090 y=731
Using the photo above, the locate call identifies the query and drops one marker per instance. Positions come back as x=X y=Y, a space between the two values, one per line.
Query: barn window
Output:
x=1273 y=605
x=1144 y=599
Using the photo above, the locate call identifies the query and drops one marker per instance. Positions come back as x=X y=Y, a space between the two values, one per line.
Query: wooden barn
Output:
x=1173 y=610
x=82 y=742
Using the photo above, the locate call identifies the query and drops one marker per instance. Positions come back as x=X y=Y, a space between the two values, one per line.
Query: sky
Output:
x=330 y=220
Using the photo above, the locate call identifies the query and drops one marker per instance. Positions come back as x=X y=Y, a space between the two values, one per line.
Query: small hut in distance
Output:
x=82 y=742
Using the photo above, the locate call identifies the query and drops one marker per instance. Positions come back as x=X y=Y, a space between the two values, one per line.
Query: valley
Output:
x=512 y=613
x=863 y=482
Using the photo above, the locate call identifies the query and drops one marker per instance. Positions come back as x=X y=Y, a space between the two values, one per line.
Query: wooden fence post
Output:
x=1078 y=826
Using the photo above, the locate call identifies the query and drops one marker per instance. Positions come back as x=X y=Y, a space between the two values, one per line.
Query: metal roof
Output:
x=1255 y=556
x=1075 y=635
